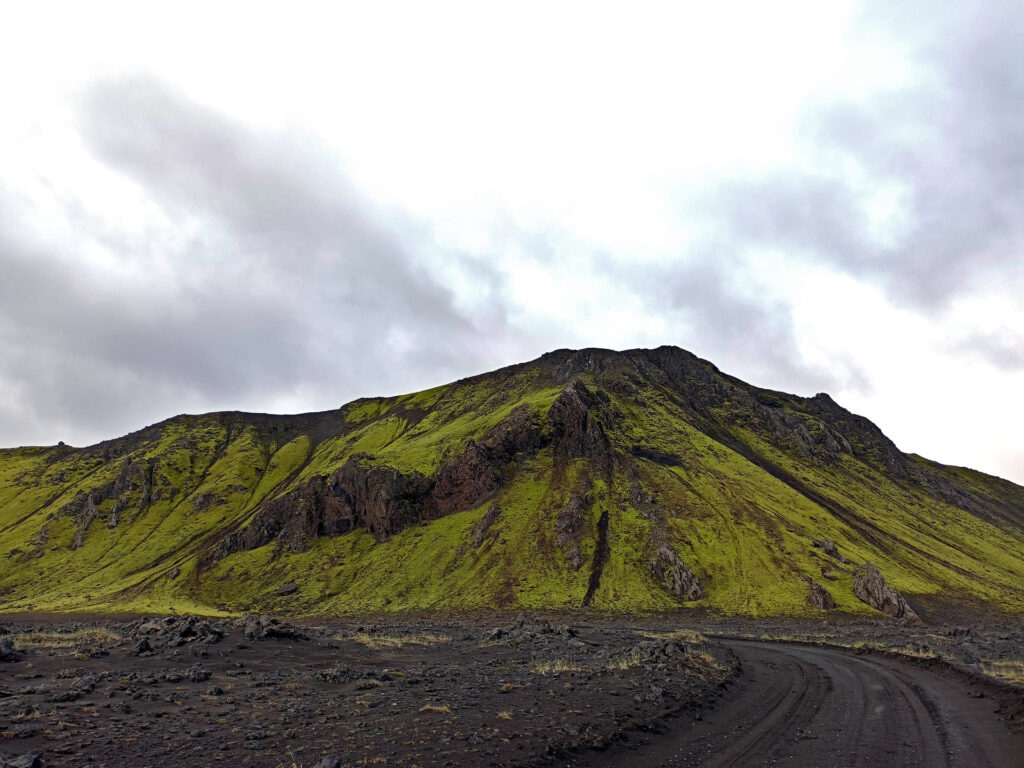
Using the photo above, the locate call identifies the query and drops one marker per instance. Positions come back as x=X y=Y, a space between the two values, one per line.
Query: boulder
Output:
x=7 y=649
x=26 y=760
x=829 y=548
x=820 y=597
x=667 y=568
x=870 y=587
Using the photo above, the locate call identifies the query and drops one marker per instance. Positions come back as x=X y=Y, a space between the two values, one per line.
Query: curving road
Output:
x=801 y=707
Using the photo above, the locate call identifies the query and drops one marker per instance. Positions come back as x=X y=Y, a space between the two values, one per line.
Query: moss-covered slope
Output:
x=633 y=481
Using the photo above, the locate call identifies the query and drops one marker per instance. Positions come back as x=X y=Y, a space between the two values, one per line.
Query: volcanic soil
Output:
x=256 y=691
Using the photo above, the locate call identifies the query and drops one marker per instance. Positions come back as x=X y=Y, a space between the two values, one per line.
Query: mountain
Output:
x=627 y=481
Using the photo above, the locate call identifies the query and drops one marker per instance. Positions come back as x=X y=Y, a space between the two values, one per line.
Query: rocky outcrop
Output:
x=484 y=526
x=577 y=431
x=129 y=490
x=870 y=587
x=380 y=499
x=829 y=548
x=666 y=568
x=819 y=597
x=384 y=500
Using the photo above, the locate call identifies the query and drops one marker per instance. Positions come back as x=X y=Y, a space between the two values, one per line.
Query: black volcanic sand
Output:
x=256 y=692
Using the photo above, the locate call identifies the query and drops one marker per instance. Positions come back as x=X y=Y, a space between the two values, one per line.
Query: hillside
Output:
x=627 y=481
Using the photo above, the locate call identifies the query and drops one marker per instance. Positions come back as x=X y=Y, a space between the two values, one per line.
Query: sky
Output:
x=284 y=207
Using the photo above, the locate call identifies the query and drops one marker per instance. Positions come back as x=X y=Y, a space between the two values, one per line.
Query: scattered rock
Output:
x=329 y=761
x=969 y=654
x=142 y=648
x=262 y=627
x=197 y=673
x=870 y=587
x=7 y=650
x=288 y=588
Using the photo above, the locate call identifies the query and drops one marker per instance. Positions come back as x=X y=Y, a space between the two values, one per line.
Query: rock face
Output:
x=129 y=490
x=667 y=568
x=384 y=500
x=869 y=586
x=820 y=597
x=577 y=431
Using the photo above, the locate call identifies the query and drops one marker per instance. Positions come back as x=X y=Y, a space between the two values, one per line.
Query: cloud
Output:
x=272 y=282
x=1004 y=350
x=262 y=279
x=919 y=188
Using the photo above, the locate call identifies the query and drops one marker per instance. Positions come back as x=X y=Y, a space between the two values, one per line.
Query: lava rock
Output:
x=27 y=760
x=7 y=650
x=870 y=587
x=667 y=568
x=820 y=597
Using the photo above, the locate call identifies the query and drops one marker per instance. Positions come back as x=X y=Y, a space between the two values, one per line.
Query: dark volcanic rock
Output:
x=829 y=548
x=385 y=500
x=820 y=597
x=667 y=568
x=7 y=649
x=130 y=489
x=26 y=760
x=492 y=514
x=569 y=526
x=578 y=433
x=262 y=627
x=869 y=586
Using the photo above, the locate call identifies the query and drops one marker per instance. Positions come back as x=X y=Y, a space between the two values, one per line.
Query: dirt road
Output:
x=800 y=707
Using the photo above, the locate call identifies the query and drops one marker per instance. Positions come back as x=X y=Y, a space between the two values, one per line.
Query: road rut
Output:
x=799 y=707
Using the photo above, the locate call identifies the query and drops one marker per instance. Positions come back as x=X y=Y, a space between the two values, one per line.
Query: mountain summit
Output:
x=625 y=481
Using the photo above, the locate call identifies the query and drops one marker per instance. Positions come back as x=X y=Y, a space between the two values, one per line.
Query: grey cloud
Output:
x=1003 y=350
x=953 y=143
x=289 y=284
x=737 y=331
x=707 y=310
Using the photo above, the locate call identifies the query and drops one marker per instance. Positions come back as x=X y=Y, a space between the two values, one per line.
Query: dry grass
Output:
x=1011 y=671
x=686 y=635
x=508 y=687
x=396 y=641
x=47 y=640
x=443 y=709
x=555 y=665
x=632 y=659
x=505 y=715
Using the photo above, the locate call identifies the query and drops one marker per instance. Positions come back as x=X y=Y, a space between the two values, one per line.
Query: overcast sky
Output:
x=285 y=207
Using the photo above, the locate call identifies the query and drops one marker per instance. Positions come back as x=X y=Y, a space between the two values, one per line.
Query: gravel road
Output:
x=799 y=707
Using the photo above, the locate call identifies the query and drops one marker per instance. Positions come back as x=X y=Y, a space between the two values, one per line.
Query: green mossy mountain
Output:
x=644 y=480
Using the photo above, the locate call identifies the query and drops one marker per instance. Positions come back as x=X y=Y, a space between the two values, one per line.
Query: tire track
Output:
x=799 y=707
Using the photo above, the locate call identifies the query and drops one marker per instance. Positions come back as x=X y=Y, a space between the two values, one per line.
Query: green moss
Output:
x=744 y=532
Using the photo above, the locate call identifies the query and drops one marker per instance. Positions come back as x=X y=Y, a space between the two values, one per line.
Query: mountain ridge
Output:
x=632 y=480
